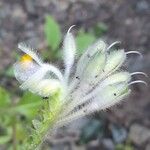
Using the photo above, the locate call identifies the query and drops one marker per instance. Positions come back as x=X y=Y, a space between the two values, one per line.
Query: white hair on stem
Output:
x=86 y=111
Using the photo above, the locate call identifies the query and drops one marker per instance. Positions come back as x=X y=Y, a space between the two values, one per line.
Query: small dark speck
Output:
x=77 y=77
x=96 y=76
x=115 y=94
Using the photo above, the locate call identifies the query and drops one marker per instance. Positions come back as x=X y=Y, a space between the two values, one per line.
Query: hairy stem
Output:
x=44 y=123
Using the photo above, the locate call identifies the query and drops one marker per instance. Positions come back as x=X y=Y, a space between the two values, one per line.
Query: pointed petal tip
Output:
x=113 y=44
x=70 y=28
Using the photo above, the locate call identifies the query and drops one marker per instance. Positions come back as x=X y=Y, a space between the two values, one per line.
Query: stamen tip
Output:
x=135 y=52
x=140 y=73
x=70 y=28
x=138 y=81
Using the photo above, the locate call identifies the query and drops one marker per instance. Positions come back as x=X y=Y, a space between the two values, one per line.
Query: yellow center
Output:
x=26 y=58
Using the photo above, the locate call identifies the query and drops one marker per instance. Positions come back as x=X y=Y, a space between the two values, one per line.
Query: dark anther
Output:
x=45 y=97
x=77 y=77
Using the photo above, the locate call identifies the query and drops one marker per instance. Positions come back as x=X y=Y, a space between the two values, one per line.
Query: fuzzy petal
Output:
x=113 y=80
x=69 y=49
x=111 y=95
x=98 y=47
x=30 y=51
x=40 y=84
x=95 y=67
x=46 y=87
x=116 y=78
x=31 y=83
x=114 y=60
x=23 y=70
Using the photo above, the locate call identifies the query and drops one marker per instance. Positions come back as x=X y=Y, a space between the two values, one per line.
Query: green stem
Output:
x=42 y=126
x=14 y=127
x=14 y=136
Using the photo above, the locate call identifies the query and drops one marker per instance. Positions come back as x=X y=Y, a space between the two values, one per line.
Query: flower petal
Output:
x=69 y=49
x=34 y=79
x=94 y=67
x=114 y=60
x=46 y=87
x=30 y=51
x=97 y=47
x=45 y=81
x=23 y=70
x=111 y=95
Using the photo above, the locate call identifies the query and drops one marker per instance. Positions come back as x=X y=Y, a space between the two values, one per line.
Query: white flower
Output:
x=98 y=81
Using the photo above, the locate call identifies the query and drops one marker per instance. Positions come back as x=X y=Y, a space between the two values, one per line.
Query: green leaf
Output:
x=52 y=32
x=100 y=29
x=83 y=40
x=21 y=131
x=6 y=137
x=29 y=105
x=5 y=119
x=10 y=72
x=4 y=98
x=44 y=122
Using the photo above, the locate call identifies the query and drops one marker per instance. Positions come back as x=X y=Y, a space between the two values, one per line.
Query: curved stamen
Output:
x=113 y=44
x=137 y=81
x=142 y=73
x=134 y=52
x=70 y=28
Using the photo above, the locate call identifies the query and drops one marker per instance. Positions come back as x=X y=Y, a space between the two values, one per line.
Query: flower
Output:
x=98 y=81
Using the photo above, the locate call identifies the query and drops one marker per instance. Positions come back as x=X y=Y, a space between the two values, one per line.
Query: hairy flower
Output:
x=98 y=81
